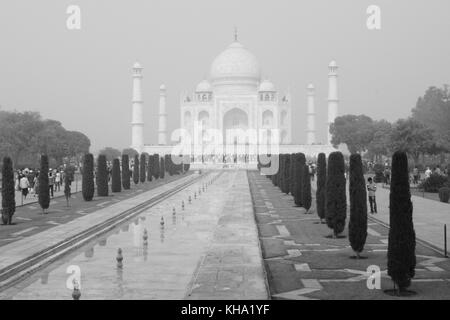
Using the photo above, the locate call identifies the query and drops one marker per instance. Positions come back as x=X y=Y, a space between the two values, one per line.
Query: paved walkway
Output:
x=429 y=217
x=302 y=262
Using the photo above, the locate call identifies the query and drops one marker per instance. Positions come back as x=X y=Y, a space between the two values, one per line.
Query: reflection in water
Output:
x=174 y=220
x=119 y=279
x=145 y=249
x=89 y=253
x=161 y=234
x=119 y=258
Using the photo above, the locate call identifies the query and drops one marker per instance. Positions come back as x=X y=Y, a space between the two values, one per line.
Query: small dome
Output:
x=333 y=64
x=203 y=86
x=310 y=86
x=267 y=85
x=162 y=87
x=137 y=65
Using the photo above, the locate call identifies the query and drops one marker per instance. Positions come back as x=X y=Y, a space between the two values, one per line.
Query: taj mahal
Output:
x=233 y=98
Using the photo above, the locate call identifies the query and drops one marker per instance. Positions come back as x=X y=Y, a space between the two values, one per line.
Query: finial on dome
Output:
x=235 y=34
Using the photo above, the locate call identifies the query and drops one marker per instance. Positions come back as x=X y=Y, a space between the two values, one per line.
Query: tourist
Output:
x=51 y=182
x=24 y=185
x=416 y=175
x=437 y=170
x=428 y=173
x=36 y=183
x=58 y=181
x=387 y=175
x=372 y=188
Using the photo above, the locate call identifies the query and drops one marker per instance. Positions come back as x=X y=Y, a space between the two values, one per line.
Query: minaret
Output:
x=137 y=118
x=333 y=100
x=310 y=116
x=162 y=135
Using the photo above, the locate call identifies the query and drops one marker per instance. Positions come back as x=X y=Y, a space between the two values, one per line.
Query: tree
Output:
x=116 y=183
x=87 y=185
x=356 y=131
x=110 y=153
x=162 y=168
x=379 y=146
x=402 y=237
x=67 y=190
x=8 y=192
x=357 y=227
x=44 y=192
x=286 y=173
x=298 y=179
x=150 y=168
x=291 y=173
x=125 y=172
x=433 y=111
x=156 y=171
x=136 y=169
x=306 y=188
x=130 y=152
x=336 y=208
x=102 y=176
x=321 y=186
x=142 y=169
x=412 y=137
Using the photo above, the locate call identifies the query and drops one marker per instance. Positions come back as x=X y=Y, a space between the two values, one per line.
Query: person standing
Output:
x=416 y=175
x=36 y=183
x=58 y=181
x=372 y=188
x=51 y=182
x=24 y=185
x=428 y=173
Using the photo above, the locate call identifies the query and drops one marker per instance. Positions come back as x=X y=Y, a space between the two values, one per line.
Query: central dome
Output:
x=235 y=65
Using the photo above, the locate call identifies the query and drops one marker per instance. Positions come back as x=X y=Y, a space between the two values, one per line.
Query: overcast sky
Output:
x=83 y=78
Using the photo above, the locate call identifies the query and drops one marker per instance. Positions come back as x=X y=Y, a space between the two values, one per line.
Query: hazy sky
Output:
x=83 y=78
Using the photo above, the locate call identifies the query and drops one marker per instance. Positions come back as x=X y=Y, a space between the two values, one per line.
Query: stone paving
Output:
x=303 y=263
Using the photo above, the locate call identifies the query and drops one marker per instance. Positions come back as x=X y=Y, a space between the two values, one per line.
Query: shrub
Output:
x=44 y=192
x=142 y=170
x=136 y=169
x=291 y=173
x=8 y=192
x=162 y=168
x=298 y=179
x=87 y=185
x=444 y=194
x=357 y=227
x=321 y=185
x=116 y=183
x=433 y=183
x=102 y=176
x=336 y=204
x=286 y=173
x=402 y=238
x=306 y=188
x=125 y=172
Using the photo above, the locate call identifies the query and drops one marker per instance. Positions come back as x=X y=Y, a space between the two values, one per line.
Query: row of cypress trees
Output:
x=331 y=205
x=143 y=170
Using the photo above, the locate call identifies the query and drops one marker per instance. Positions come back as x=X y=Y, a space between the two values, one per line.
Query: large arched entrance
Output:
x=235 y=121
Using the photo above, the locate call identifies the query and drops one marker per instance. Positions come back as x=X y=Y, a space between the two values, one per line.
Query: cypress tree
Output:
x=149 y=168
x=357 y=226
x=306 y=189
x=8 y=192
x=142 y=168
x=156 y=166
x=136 y=169
x=336 y=203
x=402 y=238
x=44 y=192
x=102 y=176
x=321 y=186
x=67 y=190
x=280 y=178
x=125 y=172
x=116 y=183
x=162 y=168
x=291 y=173
x=286 y=173
x=87 y=185
x=298 y=179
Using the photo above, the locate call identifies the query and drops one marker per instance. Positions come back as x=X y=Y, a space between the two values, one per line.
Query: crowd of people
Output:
x=27 y=181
